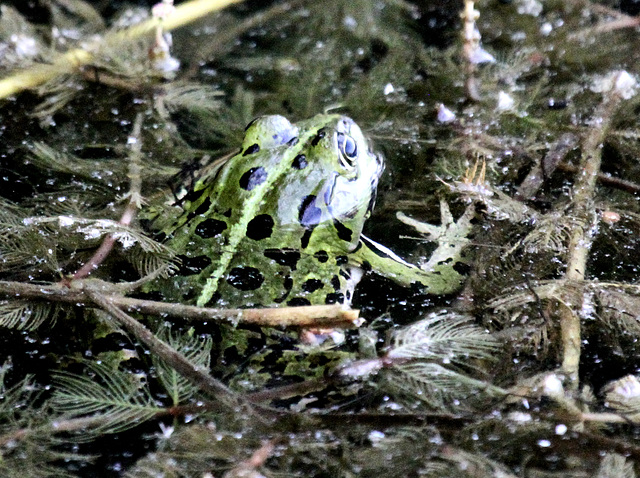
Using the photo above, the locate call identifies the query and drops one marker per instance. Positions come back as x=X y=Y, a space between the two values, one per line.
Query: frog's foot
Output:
x=452 y=236
x=439 y=275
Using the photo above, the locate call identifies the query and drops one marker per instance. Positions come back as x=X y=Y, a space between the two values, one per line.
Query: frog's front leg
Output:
x=438 y=275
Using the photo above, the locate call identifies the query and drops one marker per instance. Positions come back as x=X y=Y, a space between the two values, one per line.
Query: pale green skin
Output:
x=344 y=185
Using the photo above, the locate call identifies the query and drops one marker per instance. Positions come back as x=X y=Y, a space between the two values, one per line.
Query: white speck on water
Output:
x=505 y=101
x=625 y=85
x=520 y=417
x=350 y=22
x=480 y=55
x=552 y=386
x=445 y=115
x=25 y=46
x=529 y=7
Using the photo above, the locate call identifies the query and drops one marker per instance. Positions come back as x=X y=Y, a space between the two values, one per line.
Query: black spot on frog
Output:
x=245 y=278
x=344 y=232
x=308 y=213
x=193 y=265
x=319 y=135
x=321 y=256
x=210 y=228
x=312 y=285
x=253 y=178
x=298 y=301
x=254 y=148
x=284 y=257
x=299 y=162
x=260 y=227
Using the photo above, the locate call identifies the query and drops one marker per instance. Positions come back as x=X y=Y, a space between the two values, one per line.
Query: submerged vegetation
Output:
x=511 y=125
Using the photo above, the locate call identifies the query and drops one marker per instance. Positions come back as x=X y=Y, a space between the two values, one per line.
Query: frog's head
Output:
x=353 y=169
x=268 y=132
x=339 y=188
x=327 y=173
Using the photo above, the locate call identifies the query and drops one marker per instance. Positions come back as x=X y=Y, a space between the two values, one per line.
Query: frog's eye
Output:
x=348 y=149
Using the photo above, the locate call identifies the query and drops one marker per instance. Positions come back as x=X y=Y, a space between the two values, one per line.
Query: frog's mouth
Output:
x=342 y=200
x=379 y=159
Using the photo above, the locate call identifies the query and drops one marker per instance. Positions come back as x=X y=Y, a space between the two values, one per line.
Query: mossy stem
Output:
x=581 y=235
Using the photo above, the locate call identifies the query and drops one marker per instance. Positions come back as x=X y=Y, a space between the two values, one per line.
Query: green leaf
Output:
x=111 y=397
x=196 y=349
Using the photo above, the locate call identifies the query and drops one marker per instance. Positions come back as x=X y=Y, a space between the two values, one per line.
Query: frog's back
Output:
x=277 y=222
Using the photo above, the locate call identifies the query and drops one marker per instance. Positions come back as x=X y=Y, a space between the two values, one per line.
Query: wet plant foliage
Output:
x=513 y=124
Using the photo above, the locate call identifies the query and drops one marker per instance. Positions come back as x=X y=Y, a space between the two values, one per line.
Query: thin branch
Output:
x=470 y=47
x=135 y=200
x=581 y=235
x=472 y=52
x=293 y=390
x=606 y=179
x=620 y=21
x=321 y=316
x=63 y=425
x=607 y=418
x=257 y=459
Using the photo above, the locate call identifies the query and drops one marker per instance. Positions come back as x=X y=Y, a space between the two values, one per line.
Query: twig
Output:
x=471 y=38
x=472 y=52
x=76 y=58
x=248 y=467
x=305 y=316
x=607 y=418
x=544 y=168
x=70 y=425
x=135 y=199
x=606 y=179
x=582 y=232
x=620 y=22
x=288 y=391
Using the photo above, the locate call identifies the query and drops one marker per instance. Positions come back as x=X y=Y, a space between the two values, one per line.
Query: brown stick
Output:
x=582 y=232
x=129 y=212
x=306 y=316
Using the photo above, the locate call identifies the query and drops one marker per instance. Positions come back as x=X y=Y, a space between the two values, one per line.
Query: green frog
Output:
x=280 y=223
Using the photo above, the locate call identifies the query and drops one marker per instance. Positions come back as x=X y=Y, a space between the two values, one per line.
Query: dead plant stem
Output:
x=581 y=235
x=135 y=200
x=320 y=316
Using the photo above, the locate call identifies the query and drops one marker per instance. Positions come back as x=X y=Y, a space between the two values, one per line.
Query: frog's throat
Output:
x=238 y=230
